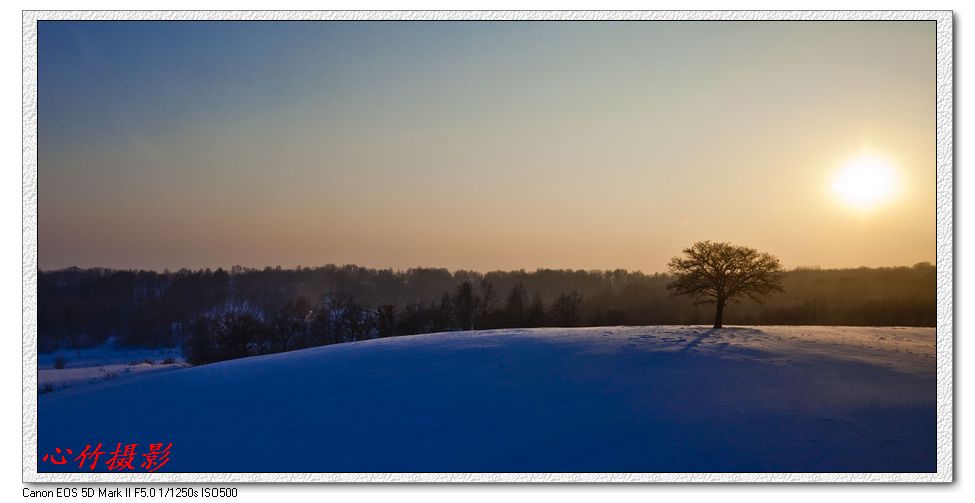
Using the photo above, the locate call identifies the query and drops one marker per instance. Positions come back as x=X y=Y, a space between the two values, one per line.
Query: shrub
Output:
x=224 y=336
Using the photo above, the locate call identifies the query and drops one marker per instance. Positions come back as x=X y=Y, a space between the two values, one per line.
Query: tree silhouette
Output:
x=464 y=303
x=516 y=306
x=536 y=311
x=484 y=304
x=565 y=309
x=721 y=272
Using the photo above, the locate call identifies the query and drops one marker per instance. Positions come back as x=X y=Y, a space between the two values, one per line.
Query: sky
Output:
x=483 y=145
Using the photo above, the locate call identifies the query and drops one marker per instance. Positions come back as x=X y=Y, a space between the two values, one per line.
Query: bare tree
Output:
x=721 y=272
x=464 y=306
x=484 y=303
x=535 y=317
x=565 y=309
x=516 y=306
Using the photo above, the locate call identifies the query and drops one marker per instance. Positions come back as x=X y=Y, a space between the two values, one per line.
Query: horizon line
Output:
x=239 y=269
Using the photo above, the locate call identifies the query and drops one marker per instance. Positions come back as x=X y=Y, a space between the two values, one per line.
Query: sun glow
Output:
x=865 y=182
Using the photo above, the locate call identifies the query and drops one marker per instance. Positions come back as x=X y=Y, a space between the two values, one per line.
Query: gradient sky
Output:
x=493 y=145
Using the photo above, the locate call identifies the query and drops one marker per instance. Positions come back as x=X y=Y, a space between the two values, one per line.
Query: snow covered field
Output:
x=613 y=399
x=93 y=365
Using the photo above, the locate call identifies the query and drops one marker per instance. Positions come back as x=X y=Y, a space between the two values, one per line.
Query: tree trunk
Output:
x=718 y=314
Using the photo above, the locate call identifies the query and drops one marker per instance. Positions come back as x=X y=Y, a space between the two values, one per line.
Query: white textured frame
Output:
x=944 y=243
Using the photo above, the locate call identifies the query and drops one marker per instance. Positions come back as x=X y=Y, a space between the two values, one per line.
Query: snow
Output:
x=610 y=399
x=93 y=365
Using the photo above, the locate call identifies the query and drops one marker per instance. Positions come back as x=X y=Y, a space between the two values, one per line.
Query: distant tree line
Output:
x=224 y=314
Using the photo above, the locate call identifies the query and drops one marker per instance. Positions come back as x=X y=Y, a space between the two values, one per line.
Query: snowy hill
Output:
x=634 y=399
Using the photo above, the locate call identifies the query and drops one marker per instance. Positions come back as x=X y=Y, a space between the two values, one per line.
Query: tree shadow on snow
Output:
x=696 y=341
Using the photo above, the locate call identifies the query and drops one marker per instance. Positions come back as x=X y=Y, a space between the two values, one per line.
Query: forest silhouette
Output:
x=85 y=307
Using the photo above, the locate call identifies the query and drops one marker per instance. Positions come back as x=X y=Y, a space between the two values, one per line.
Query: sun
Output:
x=865 y=182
